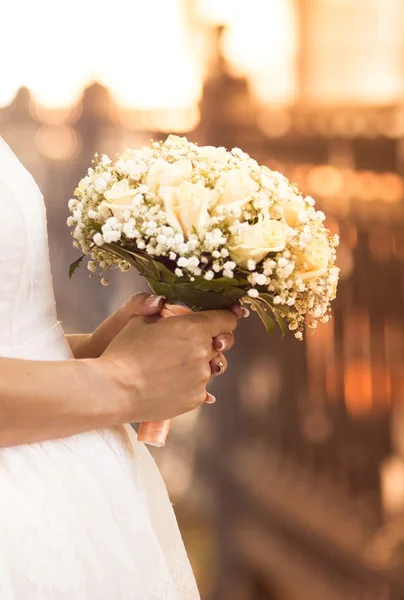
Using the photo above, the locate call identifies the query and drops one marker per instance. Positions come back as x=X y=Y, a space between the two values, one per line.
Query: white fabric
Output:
x=86 y=517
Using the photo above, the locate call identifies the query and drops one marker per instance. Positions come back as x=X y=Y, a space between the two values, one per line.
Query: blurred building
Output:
x=299 y=492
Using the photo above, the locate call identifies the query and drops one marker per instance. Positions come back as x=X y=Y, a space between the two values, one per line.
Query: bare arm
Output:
x=128 y=383
x=45 y=400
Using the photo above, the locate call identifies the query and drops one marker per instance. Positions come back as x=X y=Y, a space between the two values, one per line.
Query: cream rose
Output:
x=162 y=173
x=119 y=197
x=313 y=263
x=186 y=206
x=256 y=241
x=235 y=189
x=291 y=210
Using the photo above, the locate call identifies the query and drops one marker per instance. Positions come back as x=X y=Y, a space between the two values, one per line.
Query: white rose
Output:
x=256 y=241
x=162 y=173
x=313 y=263
x=186 y=206
x=119 y=198
x=235 y=189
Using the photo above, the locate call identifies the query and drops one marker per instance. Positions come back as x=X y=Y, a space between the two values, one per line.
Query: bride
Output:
x=84 y=513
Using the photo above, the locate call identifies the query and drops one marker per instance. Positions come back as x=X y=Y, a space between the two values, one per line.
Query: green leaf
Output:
x=75 y=265
x=95 y=225
x=276 y=312
x=192 y=297
x=234 y=293
x=165 y=273
x=262 y=313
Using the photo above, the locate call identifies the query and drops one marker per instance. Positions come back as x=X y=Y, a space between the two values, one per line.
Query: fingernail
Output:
x=210 y=399
x=154 y=301
x=220 y=344
x=245 y=312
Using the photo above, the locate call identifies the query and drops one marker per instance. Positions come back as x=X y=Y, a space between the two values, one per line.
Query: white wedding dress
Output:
x=85 y=517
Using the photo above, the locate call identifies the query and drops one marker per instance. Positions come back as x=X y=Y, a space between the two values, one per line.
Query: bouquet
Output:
x=207 y=227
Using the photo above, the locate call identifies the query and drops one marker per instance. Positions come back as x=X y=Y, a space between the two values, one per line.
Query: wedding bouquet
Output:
x=206 y=228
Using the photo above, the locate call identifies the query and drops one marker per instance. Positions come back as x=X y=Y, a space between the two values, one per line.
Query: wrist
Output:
x=114 y=398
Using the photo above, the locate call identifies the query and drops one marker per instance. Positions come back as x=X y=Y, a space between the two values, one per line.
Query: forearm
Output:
x=80 y=344
x=46 y=400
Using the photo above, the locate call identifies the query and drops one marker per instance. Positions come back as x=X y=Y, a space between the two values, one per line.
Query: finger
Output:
x=142 y=305
x=223 y=342
x=241 y=312
x=218 y=365
x=215 y=321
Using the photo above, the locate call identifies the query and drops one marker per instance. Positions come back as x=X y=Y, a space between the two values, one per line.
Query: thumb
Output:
x=142 y=305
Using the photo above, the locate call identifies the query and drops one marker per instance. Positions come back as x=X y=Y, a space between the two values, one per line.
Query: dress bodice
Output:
x=28 y=322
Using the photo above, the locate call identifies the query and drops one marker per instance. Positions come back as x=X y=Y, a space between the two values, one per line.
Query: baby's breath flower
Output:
x=211 y=212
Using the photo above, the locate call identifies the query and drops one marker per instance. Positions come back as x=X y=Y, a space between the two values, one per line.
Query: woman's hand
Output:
x=141 y=305
x=161 y=367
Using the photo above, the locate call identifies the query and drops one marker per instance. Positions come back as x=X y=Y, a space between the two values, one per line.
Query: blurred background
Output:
x=291 y=487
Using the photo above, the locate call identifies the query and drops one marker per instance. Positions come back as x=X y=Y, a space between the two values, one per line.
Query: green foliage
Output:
x=199 y=294
x=75 y=265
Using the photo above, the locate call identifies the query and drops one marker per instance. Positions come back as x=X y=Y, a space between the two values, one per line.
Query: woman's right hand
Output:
x=160 y=367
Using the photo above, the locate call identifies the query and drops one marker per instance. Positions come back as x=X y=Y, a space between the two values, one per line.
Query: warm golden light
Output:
x=139 y=49
x=261 y=42
x=354 y=51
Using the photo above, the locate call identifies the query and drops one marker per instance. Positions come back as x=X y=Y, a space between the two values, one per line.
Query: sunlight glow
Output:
x=139 y=50
x=261 y=42
x=355 y=51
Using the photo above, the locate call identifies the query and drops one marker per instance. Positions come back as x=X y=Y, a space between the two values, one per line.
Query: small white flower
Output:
x=100 y=185
x=253 y=293
x=261 y=279
x=92 y=266
x=179 y=272
x=209 y=275
x=182 y=261
x=98 y=239
x=124 y=266
x=111 y=235
x=251 y=264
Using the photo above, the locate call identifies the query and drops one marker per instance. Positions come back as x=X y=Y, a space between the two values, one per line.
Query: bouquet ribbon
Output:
x=154 y=433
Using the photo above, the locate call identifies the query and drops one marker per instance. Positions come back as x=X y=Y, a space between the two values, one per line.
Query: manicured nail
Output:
x=245 y=312
x=154 y=301
x=220 y=344
x=210 y=399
